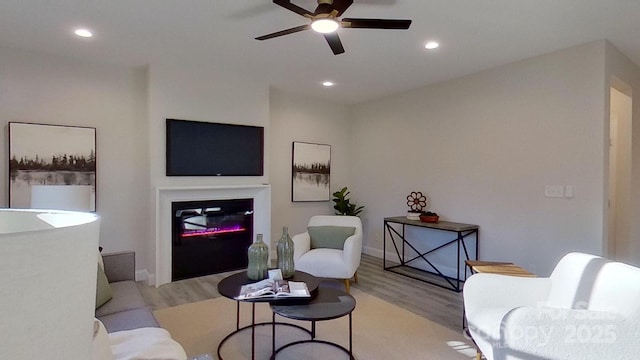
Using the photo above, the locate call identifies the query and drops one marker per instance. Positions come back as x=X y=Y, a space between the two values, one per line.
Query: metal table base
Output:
x=400 y=244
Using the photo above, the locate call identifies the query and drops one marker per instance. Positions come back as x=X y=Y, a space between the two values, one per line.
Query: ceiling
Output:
x=474 y=35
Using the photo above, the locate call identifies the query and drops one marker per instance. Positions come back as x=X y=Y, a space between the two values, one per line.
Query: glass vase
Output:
x=258 y=259
x=285 y=254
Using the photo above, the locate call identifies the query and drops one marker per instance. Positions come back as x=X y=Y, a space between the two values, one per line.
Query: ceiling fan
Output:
x=325 y=21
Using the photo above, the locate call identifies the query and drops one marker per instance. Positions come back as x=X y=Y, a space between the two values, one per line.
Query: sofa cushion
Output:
x=332 y=237
x=103 y=289
x=324 y=263
x=147 y=344
x=120 y=266
x=126 y=296
x=130 y=319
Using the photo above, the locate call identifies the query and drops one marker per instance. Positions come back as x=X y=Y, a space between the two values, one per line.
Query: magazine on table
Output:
x=270 y=288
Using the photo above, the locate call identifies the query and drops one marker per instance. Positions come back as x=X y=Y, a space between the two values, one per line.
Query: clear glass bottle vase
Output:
x=285 y=254
x=258 y=253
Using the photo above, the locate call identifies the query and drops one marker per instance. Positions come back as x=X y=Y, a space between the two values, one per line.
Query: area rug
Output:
x=381 y=331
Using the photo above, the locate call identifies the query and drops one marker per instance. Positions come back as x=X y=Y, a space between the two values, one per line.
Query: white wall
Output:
x=297 y=118
x=484 y=146
x=40 y=88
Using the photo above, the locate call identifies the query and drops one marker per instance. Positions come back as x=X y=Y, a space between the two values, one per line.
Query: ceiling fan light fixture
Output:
x=324 y=26
x=327 y=19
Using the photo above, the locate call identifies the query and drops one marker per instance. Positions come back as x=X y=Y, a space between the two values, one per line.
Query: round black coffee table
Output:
x=229 y=287
x=329 y=304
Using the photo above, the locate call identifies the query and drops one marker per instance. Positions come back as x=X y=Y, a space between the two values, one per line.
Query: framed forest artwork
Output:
x=311 y=170
x=52 y=167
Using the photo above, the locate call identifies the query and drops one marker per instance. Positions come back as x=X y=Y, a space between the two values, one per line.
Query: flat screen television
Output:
x=197 y=148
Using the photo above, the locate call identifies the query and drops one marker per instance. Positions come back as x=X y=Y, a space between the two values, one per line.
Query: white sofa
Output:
x=125 y=328
x=589 y=308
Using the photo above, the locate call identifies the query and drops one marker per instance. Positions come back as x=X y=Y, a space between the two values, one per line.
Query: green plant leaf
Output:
x=343 y=205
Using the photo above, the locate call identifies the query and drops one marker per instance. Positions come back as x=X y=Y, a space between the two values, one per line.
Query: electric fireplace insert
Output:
x=210 y=236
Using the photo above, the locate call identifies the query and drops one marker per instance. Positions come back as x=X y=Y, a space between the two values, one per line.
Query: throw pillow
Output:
x=104 y=292
x=332 y=237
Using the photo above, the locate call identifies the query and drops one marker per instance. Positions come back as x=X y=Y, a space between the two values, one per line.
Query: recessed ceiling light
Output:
x=83 y=33
x=328 y=83
x=431 y=45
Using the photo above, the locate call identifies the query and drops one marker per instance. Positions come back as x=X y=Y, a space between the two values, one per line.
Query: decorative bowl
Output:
x=429 y=218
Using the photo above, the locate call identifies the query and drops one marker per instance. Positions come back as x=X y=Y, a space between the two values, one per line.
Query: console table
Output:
x=394 y=228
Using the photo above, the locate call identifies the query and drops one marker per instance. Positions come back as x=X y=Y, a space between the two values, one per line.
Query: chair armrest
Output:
x=482 y=291
x=301 y=244
x=120 y=266
x=352 y=252
x=552 y=333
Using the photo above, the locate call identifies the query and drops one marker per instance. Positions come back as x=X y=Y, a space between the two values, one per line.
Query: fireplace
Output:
x=167 y=195
x=210 y=236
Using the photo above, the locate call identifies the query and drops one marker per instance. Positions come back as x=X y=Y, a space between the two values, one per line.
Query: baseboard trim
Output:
x=151 y=280
x=372 y=251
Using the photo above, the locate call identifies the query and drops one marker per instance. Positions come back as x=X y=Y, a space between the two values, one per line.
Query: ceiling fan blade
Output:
x=334 y=42
x=341 y=6
x=292 y=7
x=284 y=32
x=375 y=24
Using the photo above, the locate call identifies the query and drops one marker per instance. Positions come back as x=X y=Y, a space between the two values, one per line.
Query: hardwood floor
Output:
x=429 y=301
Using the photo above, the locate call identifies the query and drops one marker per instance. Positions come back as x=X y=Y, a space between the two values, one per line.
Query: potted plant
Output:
x=343 y=205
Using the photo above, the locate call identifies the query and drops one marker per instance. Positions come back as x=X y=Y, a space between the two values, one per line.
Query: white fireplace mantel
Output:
x=165 y=195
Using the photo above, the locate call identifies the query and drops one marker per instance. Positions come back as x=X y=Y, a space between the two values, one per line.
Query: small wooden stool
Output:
x=502 y=268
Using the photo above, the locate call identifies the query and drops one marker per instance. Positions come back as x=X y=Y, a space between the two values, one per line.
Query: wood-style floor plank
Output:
x=429 y=301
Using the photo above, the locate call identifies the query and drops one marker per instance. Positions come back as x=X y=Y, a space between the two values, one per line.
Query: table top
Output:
x=440 y=225
x=502 y=268
x=229 y=287
x=329 y=304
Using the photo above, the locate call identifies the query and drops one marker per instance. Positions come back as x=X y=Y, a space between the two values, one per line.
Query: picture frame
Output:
x=52 y=167
x=310 y=172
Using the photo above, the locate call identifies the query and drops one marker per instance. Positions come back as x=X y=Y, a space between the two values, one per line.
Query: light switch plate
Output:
x=568 y=191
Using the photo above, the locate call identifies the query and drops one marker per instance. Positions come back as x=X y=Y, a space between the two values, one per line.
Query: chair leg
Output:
x=478 y=355
x=346 y=285
x=355 y=277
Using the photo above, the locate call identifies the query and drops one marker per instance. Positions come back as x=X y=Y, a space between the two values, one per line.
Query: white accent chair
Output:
x=330 y=263
x=589 y=308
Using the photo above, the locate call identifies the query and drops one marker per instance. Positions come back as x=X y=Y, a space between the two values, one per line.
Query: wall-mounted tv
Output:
x=197 y=148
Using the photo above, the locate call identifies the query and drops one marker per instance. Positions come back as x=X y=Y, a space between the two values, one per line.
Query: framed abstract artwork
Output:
x=52 y=167
x=311 y=170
